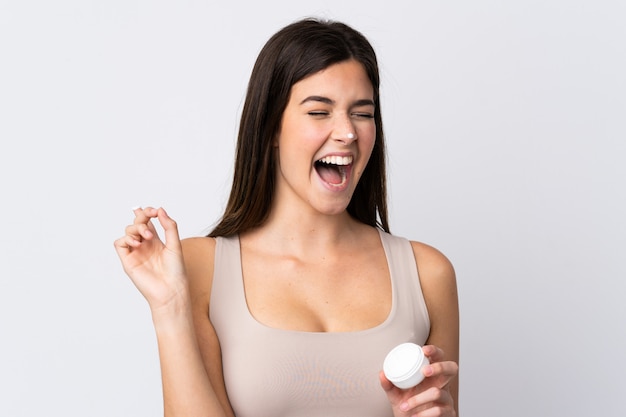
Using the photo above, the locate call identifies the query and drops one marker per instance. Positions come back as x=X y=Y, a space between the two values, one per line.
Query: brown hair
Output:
x=301 y=49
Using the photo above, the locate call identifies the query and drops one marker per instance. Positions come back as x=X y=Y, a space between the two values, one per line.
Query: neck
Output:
x=302 y=233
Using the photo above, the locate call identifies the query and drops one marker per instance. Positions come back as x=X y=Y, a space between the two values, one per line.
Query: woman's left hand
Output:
x=432 y=396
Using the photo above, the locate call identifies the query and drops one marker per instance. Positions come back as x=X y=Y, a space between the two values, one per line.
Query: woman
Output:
x=290 y=305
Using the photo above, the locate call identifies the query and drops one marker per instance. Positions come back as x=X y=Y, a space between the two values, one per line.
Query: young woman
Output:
x=290 y=305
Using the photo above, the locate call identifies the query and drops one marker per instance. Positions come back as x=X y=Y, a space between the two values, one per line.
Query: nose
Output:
x=344 y=131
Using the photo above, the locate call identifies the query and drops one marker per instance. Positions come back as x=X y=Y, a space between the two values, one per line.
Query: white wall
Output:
x=506 y=131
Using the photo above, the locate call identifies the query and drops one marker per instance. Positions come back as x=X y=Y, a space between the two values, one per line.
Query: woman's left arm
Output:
x=438 y=393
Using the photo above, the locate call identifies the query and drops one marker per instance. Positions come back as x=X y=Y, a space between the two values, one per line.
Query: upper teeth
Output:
x=336 y=160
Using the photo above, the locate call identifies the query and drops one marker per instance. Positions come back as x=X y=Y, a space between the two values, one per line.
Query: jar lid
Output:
x=403 y=361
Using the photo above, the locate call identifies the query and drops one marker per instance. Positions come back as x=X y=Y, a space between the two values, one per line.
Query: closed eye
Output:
x=317 y=113
x=362 y=115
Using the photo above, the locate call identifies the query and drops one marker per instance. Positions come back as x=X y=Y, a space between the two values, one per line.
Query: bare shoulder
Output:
x=199 y=254
x=433 y=265
x=438 y=282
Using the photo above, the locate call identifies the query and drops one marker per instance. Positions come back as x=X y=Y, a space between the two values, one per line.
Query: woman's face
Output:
x=326 y=137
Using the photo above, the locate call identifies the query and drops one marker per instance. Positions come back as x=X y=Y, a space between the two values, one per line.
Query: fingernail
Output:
x=404 y=406
x=135 y=208
x=427 y=370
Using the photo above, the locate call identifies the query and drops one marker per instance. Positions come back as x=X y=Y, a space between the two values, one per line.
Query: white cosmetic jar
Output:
x=403 y=365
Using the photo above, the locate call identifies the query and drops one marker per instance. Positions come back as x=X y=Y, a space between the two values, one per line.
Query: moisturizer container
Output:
x=403 y=365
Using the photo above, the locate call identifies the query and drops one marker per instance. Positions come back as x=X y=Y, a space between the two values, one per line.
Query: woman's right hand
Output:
x=432 y=396
x=156 y=268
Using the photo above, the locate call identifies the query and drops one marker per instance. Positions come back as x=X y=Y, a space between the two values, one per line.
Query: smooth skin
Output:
x=287 y=262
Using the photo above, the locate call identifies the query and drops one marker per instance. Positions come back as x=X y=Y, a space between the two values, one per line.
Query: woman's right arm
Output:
x=175 y=284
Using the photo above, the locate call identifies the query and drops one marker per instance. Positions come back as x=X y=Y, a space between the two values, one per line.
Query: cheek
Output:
x=293 y=156
x=367 y=142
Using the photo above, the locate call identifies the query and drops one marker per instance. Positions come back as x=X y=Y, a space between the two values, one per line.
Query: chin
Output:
x=333 y=209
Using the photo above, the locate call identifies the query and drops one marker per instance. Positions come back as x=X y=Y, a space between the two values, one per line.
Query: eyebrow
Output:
x=326 y=100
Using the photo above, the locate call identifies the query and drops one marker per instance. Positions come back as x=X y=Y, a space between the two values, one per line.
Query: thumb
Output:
x=384 y=382
x=170 y=228
x=394 y=394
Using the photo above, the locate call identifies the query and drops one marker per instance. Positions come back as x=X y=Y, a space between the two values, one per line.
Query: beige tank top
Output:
x=282 y=373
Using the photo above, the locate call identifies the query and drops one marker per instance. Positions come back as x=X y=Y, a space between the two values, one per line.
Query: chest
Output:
x=349 y=292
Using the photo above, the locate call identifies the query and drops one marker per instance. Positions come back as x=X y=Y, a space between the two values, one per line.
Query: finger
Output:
x=131 y=240
x=427 y=402
x=121 y=247
x=124 y=245
x=142 y=221
x=434 y=353
x=140 y=231
x=143 y=215
x=170 y=228
x=440 y=374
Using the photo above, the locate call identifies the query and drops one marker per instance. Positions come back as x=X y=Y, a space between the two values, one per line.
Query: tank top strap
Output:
x=228 y=300
x=408 y=297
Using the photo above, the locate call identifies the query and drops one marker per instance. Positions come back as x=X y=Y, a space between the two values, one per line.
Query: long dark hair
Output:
x=295 y=52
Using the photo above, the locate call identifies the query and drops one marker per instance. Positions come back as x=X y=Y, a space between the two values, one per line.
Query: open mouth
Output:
x=333 y=169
